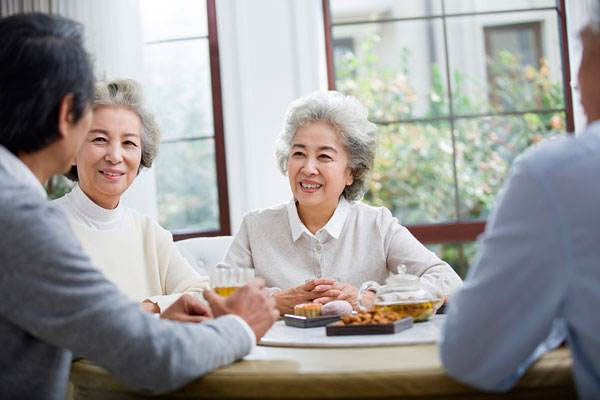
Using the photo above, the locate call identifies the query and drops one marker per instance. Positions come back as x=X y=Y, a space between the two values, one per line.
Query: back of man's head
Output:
x=42 y=60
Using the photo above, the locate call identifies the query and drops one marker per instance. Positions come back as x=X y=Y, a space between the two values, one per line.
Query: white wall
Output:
x=271 y=52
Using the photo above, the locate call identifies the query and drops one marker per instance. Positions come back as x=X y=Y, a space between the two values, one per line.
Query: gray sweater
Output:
x=53 y=303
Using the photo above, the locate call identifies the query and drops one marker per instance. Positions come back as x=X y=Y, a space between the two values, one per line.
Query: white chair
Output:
x=204 y=253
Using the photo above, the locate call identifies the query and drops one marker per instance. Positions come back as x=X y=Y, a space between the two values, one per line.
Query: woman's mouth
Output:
x=310 y=187
x=112 y=174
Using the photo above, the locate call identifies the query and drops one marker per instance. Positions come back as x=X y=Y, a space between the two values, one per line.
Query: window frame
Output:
x=458 y=231
x=219 y=133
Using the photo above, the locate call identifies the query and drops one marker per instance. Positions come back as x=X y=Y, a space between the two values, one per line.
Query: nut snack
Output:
x=372 y=317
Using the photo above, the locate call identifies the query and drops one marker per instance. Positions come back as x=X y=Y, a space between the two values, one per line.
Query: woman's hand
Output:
x=347 y=292
x=285 y=300
x=368 y=299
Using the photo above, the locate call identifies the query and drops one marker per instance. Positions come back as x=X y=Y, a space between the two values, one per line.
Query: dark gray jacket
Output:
x=54 y=302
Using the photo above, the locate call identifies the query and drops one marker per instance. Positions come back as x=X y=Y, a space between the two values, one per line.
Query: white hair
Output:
x=349 y=118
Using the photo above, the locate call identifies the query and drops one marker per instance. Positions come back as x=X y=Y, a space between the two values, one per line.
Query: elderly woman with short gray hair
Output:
x=324 y=243
x=132 y=250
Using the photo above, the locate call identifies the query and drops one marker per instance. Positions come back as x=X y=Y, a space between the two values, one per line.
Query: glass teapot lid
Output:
x=403 y=287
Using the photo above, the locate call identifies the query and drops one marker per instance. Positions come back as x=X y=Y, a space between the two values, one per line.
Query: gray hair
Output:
x=349 y=118
x=127 y=93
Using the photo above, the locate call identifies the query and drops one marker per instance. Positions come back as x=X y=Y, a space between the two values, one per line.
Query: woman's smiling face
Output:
x=318 y=168
x=109 y=159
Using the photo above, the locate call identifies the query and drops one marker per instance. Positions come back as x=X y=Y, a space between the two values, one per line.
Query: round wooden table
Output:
x=399 y=372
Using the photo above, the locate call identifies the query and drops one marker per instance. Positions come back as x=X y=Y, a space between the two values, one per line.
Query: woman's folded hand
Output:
x=345 y=291
x=305 y=293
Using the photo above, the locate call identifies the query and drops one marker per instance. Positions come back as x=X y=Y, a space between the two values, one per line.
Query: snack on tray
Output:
x=308 y=310
x=372 y=317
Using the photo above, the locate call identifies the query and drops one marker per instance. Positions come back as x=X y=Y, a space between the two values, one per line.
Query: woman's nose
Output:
x=114 y=154
x=310 y=167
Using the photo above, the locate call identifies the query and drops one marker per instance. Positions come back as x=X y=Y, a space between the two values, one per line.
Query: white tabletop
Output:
x=287 y=336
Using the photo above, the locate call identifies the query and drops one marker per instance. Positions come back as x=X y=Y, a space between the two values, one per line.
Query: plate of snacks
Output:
x=373 y=322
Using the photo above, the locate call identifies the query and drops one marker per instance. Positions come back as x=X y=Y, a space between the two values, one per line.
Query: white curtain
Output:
x=113 y=34
x=113 y=30
x=8 y=7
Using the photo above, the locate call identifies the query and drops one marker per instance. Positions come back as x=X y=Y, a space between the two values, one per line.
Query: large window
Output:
x=183 y=86
x=458 y=89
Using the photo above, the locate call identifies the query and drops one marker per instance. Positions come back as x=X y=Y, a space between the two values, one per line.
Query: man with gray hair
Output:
x=537 y=276
x=54 y=302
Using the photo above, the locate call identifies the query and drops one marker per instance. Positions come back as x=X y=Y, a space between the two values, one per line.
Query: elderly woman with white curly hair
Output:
x=324 y=243
x=131 y=249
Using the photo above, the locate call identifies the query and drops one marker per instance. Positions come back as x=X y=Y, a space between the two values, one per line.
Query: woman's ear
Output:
x=349 y=177
x=65 y=115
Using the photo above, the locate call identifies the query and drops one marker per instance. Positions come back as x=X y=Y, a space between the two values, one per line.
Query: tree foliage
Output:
x=426 y=166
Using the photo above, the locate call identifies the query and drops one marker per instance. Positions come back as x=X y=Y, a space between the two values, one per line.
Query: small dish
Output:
x=339 y=328
x=298 y=321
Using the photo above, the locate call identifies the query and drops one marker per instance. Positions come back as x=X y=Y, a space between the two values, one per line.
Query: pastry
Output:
x=308 y=309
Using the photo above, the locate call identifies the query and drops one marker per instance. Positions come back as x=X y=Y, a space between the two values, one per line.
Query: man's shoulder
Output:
x=16 y=196
x=565 y=153
x=32 y=225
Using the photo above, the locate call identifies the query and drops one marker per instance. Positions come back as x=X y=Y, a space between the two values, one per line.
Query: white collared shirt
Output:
x=333 y=227
x=20 y=171
x=359 y=243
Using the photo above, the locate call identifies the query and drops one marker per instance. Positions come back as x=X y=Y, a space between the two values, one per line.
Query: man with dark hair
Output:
x=35 y=48
x=54 y=301
x=537 y=277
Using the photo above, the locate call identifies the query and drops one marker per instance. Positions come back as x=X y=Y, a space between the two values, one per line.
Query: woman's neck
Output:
x=314 y=218
x=106 y=202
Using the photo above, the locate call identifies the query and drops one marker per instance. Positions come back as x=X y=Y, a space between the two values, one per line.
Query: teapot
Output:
x=404 y=294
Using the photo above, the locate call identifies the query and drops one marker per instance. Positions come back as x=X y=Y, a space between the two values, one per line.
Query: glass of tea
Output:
x=227 y=279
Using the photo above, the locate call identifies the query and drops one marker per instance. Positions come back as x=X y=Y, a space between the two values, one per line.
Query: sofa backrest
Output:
x=204 y=253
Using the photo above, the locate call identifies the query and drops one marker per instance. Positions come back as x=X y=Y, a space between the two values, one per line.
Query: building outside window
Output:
x=458 y=89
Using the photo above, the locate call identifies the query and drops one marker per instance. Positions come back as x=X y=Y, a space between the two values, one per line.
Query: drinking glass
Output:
x=227 y=279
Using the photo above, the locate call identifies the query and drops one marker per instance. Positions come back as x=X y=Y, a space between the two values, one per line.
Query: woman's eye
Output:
x=325 y=157
x=130 y=143
x=99 y=140
x=297 y=154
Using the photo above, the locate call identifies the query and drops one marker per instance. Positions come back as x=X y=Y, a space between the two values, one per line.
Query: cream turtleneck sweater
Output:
x=131 y=249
